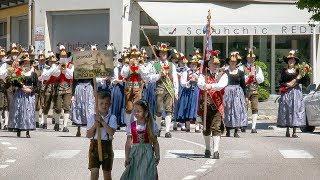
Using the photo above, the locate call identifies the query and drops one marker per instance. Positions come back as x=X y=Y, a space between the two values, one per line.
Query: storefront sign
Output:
x=223 y=30
x=89 y=64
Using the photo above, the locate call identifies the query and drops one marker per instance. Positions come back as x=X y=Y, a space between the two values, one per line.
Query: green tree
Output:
x=264 y=87
x=313 y=7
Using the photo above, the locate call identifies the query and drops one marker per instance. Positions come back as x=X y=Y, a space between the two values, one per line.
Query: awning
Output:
x=188 y=19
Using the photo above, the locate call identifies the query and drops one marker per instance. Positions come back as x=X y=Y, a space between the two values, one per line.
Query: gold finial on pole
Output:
x=209 y=14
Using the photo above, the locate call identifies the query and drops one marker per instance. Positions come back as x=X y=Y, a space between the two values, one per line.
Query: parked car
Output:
x=312 y=105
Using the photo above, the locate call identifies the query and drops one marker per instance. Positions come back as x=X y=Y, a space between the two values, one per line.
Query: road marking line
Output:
x=10 y=161
x=296 y=154
x=12 y=148
x=210 y=161
x=201 y=145
x=200 y=170
x=6 y=143
x=178 y=153
x=206 y=167
x=237 y=154
x=119 y=154
x=189 y=177
x=3 y=166
x=62 y=154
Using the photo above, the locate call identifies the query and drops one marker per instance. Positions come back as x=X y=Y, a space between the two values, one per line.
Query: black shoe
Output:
x=197 y=131
x=253 y=131
x=207 y=153
x=56 y=127
x=243 y=129
x=78 y=134
x=44 y=126
x=187 y=130
x=0 y=126
x=37 y=124
x=216 y=155
x=53 y=121
x=168 y=135
x=5 y=127
x=118 y=128
x=295 y=135
x=27 y=134
x=65 y=129
x=41 y=126
x=175 y=128
x=228 y=134
x=236 y=135
x=18 y=133
x=159 y=133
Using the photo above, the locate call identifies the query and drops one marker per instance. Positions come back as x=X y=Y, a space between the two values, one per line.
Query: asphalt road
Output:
x=265 y=155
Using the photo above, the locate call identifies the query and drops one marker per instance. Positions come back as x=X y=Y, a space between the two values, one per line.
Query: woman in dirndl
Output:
x=235 y=112
x=22 y=108
x=291 y=112
x=118 y=98
x=188 y=104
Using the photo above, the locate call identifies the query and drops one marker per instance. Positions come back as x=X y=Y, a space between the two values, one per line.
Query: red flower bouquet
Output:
x=303 y=69
x=16 y=75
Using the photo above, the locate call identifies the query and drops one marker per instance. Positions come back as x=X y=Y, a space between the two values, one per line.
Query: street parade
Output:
x=158 y=111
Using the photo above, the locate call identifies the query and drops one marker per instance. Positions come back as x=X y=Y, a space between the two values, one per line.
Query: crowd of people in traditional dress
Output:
x=143 y=95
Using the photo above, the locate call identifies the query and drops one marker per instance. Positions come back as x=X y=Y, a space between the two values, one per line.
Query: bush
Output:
x=264 y=87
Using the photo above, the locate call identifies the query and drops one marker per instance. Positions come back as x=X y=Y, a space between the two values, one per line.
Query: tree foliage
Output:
x=313 y=7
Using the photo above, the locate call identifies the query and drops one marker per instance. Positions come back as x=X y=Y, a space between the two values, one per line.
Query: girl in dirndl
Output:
x=189 y=96
x=118 y=100
x=142 y=147
x=235 y=112
x=22 y=108
x=181 y=68
x=291 y=112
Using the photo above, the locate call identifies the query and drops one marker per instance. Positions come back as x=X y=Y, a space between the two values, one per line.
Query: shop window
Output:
x=3 y=34
x=219 y=43
x=153 y=35
x=238 y=43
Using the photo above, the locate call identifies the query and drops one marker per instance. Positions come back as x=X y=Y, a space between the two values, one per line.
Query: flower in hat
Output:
x=183 y=58
x=52 y=56
x=14 y=48
x=292 y=54
x=164 y=47
x=234 y=57
x=250 y=52
x=197 y=53
x=41 y=55
x=62 y=50
x=94 y=47
x=2 y=52
x=26 y=56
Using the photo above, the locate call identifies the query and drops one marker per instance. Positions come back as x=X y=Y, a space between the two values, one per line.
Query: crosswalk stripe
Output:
x=237 y=154
x=5 y=143
x=10 y=161
x=200 y=170
x=296 y=154
x=3 y=166
x=62 y=154
x=189 y=177
x=12 y=148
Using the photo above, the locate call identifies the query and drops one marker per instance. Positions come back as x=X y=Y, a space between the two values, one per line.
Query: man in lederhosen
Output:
x=253 y=77
x=167 y=87
x=63 y=89
x=133 y=73
x=216 y=81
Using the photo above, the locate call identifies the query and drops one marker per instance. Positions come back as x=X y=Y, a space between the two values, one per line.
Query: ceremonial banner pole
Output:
x=208 y=49
x=149 y=43
x=97 y=111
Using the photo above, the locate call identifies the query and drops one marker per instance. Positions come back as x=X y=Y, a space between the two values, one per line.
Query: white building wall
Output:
x=119 y=29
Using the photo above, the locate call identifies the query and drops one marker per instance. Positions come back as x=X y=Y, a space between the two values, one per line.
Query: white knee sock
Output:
x=37 y=116
x=207 y=142
x=128 y=117
x=168 y=123
x=44 y=120
x=254 y=120
x=1 y=119
x=216 y=142
x=6 y=118
x=183 y=125
x=197 y=126
x=65 y=119
x=56 y=117
x=158 y=122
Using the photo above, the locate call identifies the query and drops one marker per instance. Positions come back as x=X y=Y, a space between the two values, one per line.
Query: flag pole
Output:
x=206 y=58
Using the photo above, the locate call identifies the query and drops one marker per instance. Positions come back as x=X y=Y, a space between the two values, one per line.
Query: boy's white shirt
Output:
x=112 y=123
